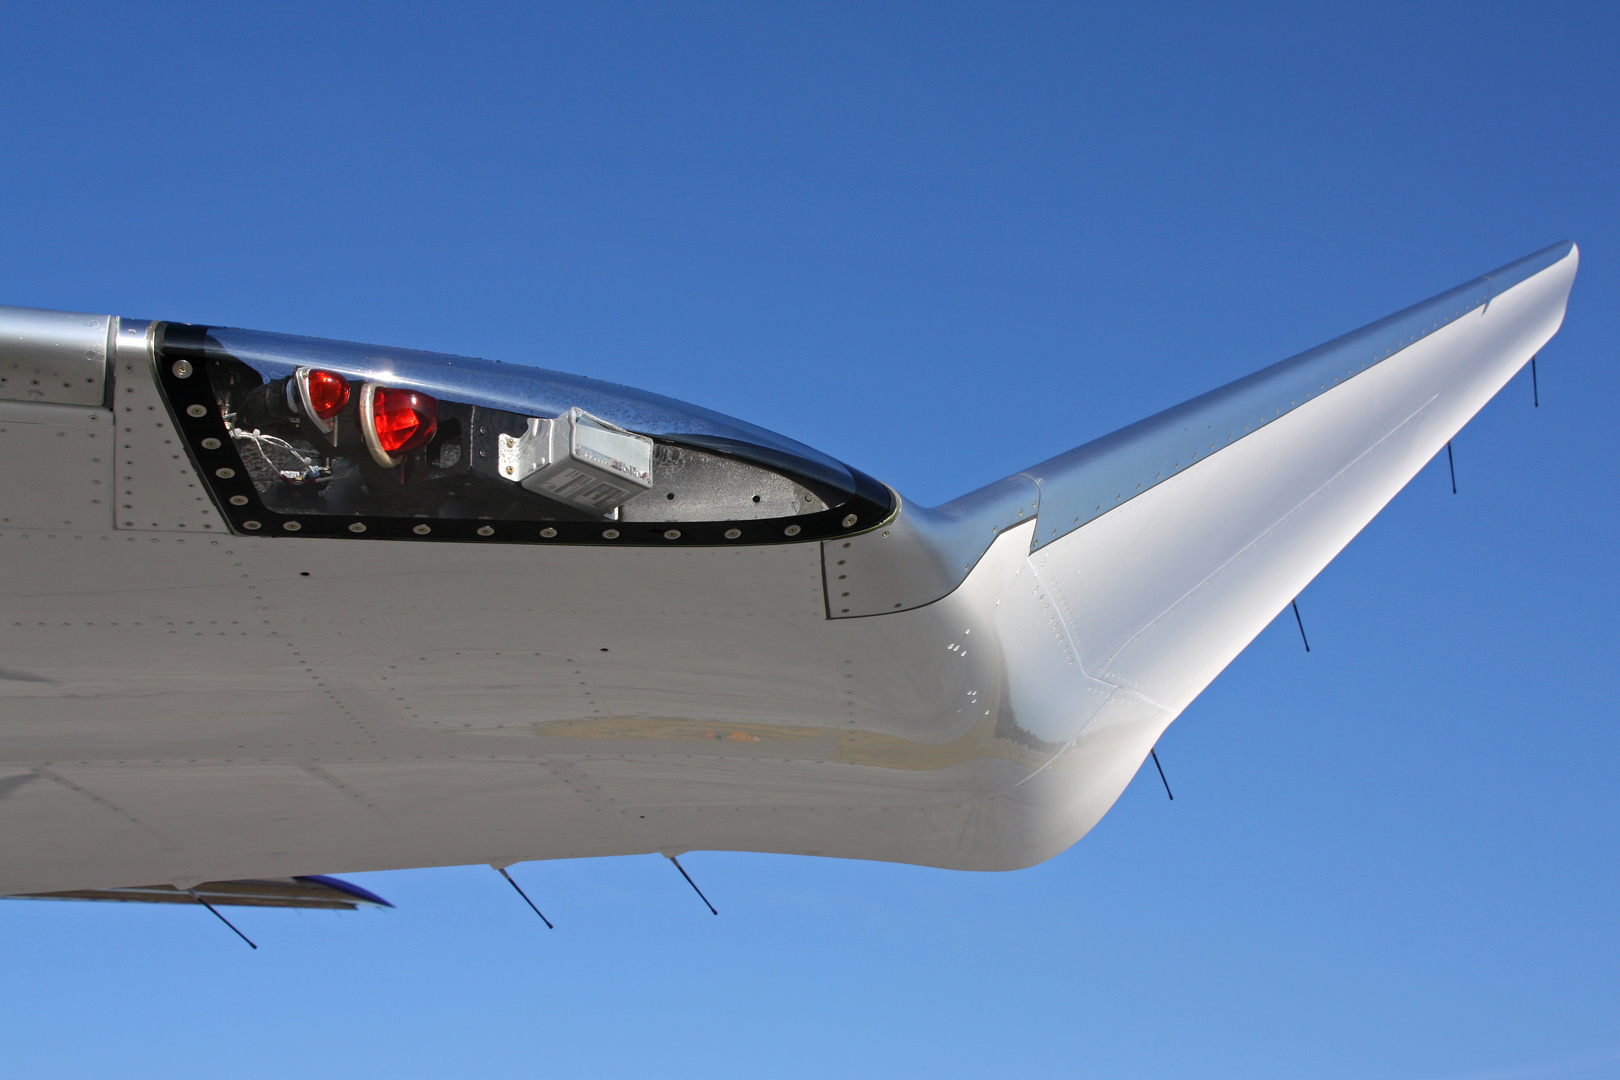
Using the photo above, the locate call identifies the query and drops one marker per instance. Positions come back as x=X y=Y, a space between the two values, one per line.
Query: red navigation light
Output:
x=328 y=393
x=397 y=421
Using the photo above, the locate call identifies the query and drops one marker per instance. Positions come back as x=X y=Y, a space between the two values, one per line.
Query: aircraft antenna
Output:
x=222 y=918
x=1301 y=623
x=1453 y=463
x=1162 y=780
x=1534 y=389
x=501 y=870
x=692 y=883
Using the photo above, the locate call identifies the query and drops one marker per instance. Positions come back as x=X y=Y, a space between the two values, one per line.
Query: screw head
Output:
x=225 y=473
x=252 y=526
x=291 y=526
x=422 y=530
x=548 y=532
x=182 y=369
x=672 y=534
x=239 y=500
x=210 y=443
x=850 y=519
x=610 y=534
x=732 y=534
x=197 y=411
x=485 y=530
x=791 y=530
x=357 y=526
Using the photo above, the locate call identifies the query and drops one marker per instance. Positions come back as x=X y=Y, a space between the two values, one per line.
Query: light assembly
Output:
x=321 y=395
x=395 y=422
x=331 y=439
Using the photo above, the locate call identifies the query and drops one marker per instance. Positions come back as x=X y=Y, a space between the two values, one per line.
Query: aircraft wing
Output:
x=278 y=607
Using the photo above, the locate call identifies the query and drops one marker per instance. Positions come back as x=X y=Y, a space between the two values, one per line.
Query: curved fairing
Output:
x=188 y=697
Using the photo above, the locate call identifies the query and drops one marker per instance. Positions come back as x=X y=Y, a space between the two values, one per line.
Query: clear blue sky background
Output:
x=881 y=229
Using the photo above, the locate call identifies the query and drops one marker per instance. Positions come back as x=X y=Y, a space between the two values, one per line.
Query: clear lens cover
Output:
x=391 y=438
x=532 y=392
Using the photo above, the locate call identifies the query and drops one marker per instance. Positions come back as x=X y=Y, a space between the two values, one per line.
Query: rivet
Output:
x=422 y=530
x=610 y=534
x=225 y=473
x=485 y=530
x=196 y=410
x=210 y=443
x=239 y=500
x=548 y=532
x=357 y=527
x=182 y=370
x=732 y=534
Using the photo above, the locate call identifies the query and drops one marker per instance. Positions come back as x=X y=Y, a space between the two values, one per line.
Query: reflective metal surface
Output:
x=1091 y=480
x=53 y=357
x=927 y=551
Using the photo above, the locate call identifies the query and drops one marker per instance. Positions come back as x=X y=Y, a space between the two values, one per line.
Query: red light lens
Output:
x=403 y=419
x=328 y=393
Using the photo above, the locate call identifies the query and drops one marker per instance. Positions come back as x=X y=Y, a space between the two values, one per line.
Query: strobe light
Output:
x=395 y=422
x=321 y=395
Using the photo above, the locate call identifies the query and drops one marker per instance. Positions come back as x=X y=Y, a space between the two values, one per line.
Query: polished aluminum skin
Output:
x=54 y=357
x=1082 y=484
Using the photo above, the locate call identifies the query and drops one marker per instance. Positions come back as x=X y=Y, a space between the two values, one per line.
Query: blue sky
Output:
x=881 y=229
